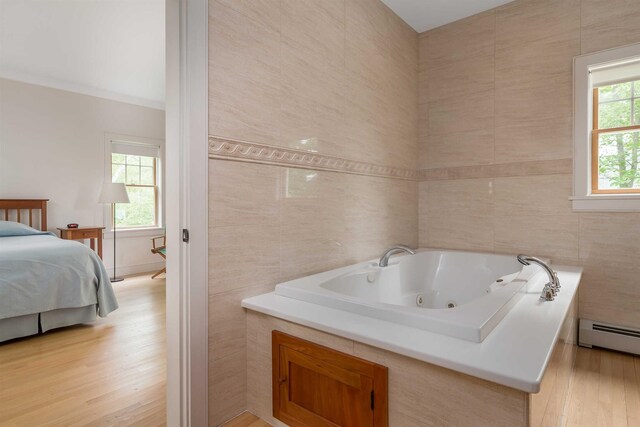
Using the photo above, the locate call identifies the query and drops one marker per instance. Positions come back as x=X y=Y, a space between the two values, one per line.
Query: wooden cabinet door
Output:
x=315 y=386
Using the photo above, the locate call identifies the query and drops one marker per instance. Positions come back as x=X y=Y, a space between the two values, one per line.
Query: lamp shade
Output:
x=113 y=192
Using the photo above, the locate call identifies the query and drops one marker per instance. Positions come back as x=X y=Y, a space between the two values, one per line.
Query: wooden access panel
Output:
x=316 y=386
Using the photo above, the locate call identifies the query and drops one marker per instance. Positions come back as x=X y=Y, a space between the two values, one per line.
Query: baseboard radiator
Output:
x=608 y=336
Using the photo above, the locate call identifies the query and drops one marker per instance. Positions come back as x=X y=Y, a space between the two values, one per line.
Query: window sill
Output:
x=606 y=203
x=135 y=232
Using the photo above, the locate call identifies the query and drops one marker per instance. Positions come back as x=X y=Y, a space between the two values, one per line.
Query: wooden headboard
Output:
x=9 y=206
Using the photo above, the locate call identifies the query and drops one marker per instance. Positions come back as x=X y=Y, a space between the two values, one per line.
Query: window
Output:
x=137 y=166
x=615 y=140
x=606 y=162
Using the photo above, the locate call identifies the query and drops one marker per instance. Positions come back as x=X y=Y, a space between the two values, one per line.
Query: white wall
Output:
x=52 y=146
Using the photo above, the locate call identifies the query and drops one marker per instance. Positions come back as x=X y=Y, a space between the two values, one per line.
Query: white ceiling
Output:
x=109 y=48
x=424 y=15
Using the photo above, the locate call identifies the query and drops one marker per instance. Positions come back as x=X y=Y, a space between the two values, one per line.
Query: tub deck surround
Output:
x=515 y=354
x=428 y=290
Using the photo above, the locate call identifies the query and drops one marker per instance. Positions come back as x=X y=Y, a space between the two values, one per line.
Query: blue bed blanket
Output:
x=40 y=272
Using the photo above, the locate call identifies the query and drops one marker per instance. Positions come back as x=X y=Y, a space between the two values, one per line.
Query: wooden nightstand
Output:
x=82 y=233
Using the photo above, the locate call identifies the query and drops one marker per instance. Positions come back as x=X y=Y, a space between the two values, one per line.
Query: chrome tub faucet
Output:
x=552 y=287
x=384 y=259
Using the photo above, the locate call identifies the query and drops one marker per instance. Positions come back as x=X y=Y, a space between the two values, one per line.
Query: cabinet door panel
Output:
x=317 y=386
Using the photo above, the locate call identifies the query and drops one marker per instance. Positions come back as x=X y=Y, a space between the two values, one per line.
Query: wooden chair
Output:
x=160 y=250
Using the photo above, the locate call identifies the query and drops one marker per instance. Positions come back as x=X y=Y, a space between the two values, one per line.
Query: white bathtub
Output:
x=459 y=294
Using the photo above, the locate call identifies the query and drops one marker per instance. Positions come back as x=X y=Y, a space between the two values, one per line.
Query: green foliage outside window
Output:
x=138 y=173
x=619 y=106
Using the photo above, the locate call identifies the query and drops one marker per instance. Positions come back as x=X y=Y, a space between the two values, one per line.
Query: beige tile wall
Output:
x=273 y=224
x=487 y=98
x=334 y=76
x=547 y=407
x=496 y=89
x=338 y=77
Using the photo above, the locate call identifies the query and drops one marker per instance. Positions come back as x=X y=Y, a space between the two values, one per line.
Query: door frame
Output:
x=187 y=208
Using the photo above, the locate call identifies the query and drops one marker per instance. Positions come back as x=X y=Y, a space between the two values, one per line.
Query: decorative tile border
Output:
x=535 y=167
x=228 y=149
x=242 y=151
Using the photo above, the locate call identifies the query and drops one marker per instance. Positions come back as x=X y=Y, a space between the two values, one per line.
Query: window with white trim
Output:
x=607 y=130
x=137 y=166
x=615 y=140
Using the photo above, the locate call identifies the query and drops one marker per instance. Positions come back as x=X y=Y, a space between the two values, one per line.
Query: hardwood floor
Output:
x=113 y=373
x=605 y=389
x=109 y=373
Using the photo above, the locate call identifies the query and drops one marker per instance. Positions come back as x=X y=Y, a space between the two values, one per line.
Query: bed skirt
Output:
x=22 y=326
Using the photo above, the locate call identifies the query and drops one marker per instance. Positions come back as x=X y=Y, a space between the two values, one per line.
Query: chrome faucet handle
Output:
x=548 y=293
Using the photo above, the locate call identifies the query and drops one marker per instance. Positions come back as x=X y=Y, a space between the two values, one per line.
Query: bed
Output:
x=46 y=282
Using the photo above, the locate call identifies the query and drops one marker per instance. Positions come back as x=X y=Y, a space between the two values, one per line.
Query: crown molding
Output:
x=23 y=77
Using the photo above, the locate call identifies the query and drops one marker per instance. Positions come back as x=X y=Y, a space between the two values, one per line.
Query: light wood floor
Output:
x=605 y=389
x=113 y=373
x=109 y=373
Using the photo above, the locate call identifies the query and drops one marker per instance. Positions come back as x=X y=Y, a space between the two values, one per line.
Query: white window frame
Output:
x=583 y=199
x=109 y=138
